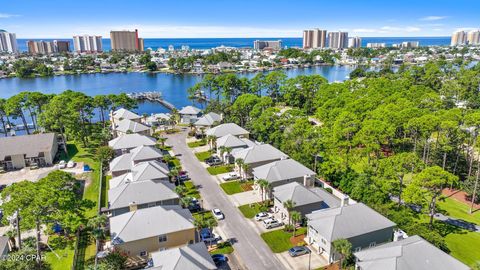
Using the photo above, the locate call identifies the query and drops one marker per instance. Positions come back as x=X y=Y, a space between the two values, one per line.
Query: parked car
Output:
x=262 y=215
x=71 y=164
x=219 y=259
x=62 y=164
x=231 y=176
x=271 y=223
x=208 y=236
x=213 y=160
x=298 y=250
x=194 y=205
x=218 y=214
x=183 y=176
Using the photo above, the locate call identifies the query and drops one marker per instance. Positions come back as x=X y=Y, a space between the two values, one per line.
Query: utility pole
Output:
x=17 y=221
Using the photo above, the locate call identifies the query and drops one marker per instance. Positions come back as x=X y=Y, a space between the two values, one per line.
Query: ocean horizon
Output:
x=208 y=43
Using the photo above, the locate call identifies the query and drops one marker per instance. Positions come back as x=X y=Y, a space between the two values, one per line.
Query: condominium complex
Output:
x=459 y=38
x=126 y=41
x=354 y=42
x=8 y=42
x=272 y=44
x=473 y=37
x=88 y=44
x=314 y=39
x=48 y=47
x=338 y=40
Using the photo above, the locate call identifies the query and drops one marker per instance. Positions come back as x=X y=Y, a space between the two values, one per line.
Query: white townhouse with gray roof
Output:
x=190 y=257
x=18 y=152
x=122 y=114
x=124 y=163
x=258 y=155
x=411 y=253
x=227 y=128
x=127 y=126
x=189 y=114
x=284 y=171
x=150 y=170
x=123 y=144
x=209 y=120
x=359 y=224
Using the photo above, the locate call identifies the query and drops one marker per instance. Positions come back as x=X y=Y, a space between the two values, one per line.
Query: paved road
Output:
x=253 y=253
x=458 y=222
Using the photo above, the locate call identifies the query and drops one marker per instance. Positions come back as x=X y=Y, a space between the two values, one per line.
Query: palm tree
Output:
x=199 y=224
x=98 y=226
x=262 y=183
x=212 y=140
x=185 y=201
x=191 y=126
x=245 y=167
x=289 y=205
x=180 y=190
x=268 y=191
x=222 y=152
x=229 y=151
x=173 y=175
x=296 y=217
x=162 y=141
x=344 y=248
x=239 y=162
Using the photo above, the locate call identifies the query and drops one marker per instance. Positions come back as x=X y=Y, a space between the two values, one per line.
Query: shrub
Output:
x=288 y=228
x=329 y=190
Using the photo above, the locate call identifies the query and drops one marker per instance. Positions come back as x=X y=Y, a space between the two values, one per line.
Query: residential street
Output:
x=252 y=251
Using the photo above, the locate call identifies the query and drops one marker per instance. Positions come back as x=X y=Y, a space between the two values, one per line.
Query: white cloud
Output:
x=6 y=15
x=433 y=18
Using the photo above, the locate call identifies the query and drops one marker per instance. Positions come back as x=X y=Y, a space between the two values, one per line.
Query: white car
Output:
x=270 y=223
x=62 y=164
x=231 y=176
x=70 y=164
x=218 y=214
x=262 y=215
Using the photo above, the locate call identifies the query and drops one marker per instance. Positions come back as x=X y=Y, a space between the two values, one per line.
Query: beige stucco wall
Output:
x=18 y=161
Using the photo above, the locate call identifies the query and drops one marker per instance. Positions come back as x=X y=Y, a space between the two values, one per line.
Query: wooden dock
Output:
x=152 y=96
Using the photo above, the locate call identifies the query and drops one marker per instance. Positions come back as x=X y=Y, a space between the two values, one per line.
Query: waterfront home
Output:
x=150 y=170
x=305 y=200
x=127 y=126
x=123 y=144
x=190 y=257
x=411 y=253
x=359 y=224
x=227 y=128
x=189 y=114
x=283 y=172
x=142 y=194
x=209 y=120
x=122 y=114
x=142 y=231
x=124 y=163
x=258 y=155
x=158 y=119
x=18 y=152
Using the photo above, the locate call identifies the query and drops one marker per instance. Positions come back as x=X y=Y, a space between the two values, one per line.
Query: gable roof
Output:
x=230 y=141
x=347 y=221
x=140 y=193
x=281 y=170
x=141 y=153
x=190 y=110
x=259 y=153
x=411 y=253
x=225 y=129
x=125 y=114
x=208 y=119
x=302 y=195
x=149 y=222
x=126 y=125
x=191 y=257
x=121 y=163
x=150 y=170
x=31 y=145
x=127 y=141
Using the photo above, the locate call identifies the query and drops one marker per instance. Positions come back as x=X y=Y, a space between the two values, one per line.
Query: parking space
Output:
x=303 y=262
x=11 y=177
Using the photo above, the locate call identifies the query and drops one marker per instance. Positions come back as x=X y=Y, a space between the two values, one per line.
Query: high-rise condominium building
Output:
x=376 y=45
x=48 y=47
x=88 y=44
x=315 y=38
x=338 y=40
x=262 y=44
x=8 y=42
x=354 y=42
x=410 y=44
x=126 y=41
x=459 y=38
x=473 y=37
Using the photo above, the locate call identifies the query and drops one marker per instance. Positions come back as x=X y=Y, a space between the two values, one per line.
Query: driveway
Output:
x=246 y=197
x=253 y=253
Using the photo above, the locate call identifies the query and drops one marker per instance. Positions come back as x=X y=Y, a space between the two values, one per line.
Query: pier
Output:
x=153 y=96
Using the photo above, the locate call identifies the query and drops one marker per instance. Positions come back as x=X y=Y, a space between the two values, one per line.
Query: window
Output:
x=324 y=242
x=162 y=238
x=151 y=204
x=143 y=253
x=357 y=249
x=372 y=244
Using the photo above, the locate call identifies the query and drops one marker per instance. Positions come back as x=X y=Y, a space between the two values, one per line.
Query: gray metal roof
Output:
x=150 y=170
x=347 y=221
x=149 y=222
x=126 y=125
x=281 y=170
x=209 y=119
x=121 y=163
x=190 y=110
x=231 y=141
x=29 y=145
x=259 y=153
x=225 y=129
x=302 y=195
x=191 y=257
x=140 y=193
x=411 y=253
x=140 y=153
x=125 y=114
x=128 y=141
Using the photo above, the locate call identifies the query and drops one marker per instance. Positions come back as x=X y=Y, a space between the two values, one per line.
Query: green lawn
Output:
x=191 y=190
x=279 y=240
x=459 y=210
x=223 y=248
x=65 y=260
x=464 y=246
x=197 y=143
x=232 y=187
x=202 y=156
x=250 y=210
x=220 y=169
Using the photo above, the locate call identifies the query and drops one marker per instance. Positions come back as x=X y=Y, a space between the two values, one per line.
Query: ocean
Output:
x=208 y=43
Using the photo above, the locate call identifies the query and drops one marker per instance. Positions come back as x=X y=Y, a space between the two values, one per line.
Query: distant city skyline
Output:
x=248 y=18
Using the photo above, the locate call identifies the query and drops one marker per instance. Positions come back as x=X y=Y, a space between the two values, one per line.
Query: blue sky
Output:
x=239 y=18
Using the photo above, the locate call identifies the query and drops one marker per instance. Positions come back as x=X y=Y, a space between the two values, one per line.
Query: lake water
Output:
x=173 y=86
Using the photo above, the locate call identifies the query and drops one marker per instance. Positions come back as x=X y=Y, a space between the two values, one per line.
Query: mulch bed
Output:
x=297 y=239
x=333 y=266
x=459 y=195
x=247 y=186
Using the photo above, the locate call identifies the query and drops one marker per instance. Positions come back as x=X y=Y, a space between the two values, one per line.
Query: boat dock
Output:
x=153 y=96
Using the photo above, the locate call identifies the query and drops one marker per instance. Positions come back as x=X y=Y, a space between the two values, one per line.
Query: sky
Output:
x=237 y=18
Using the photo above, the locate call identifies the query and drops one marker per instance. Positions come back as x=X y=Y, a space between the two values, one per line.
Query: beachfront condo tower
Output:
x=338 y=40
x=126 y=41
x=315 y=38
x=459 y=38
x=87 y=44
x=354 y=42
x=8 y=42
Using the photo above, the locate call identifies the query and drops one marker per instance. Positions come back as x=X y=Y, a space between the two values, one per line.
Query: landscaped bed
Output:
x=223 y=248
x=197 y=143
x=233 y=187
x=279 y=240
x=191 y=190
x=220 y=169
